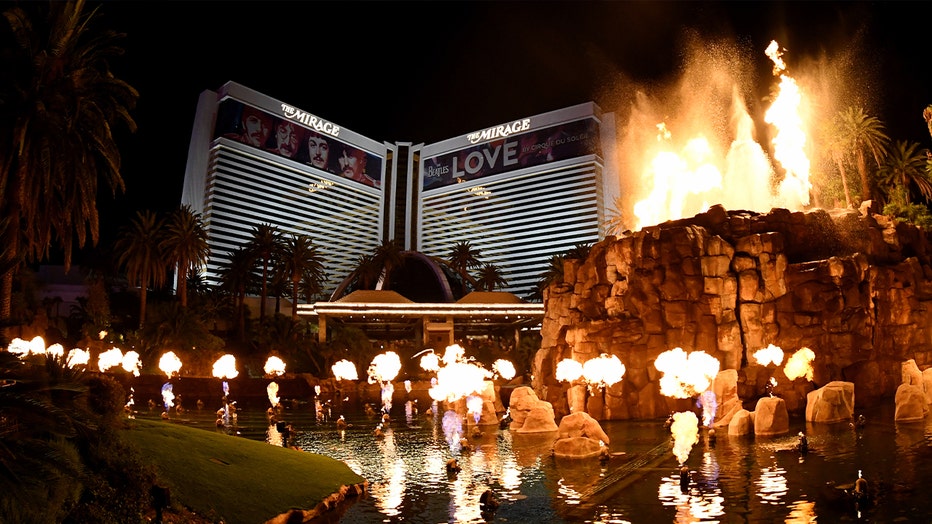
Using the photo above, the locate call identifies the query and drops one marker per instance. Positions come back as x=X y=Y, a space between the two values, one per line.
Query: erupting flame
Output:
x=769 y=355
x=274 y=366
x=603 y=371
x=78 y=357
x=453 y=430
x=569 y=370
x=699 y=158
x=225 y=367
x=168 y=397
x=685 y=429
x=458 y=377
x=685 y=376
x=131 y=362
x=474 y=407
x=504 y=368
x=170 y=364
x=384 y=367
x=344 y=370
x=111 y=358
x=430 y=362
x=800 y=364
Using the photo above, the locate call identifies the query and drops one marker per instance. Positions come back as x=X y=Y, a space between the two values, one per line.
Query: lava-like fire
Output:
x=569 y=370
x=458 y=377
x=272 y=391
x=131 y=362
x=685 y=376
x=384 y=367
x=170 y=364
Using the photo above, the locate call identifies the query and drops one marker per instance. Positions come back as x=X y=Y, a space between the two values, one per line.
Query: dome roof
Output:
x=419 y=278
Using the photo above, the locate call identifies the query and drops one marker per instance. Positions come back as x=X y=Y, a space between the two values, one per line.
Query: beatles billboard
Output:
x=299 y=136
x=513 y=146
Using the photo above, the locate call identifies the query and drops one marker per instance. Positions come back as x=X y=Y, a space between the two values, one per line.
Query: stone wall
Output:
x=855 y=287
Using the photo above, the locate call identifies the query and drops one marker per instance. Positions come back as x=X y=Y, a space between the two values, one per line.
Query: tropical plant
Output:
x=863 y=134
x=140 y=253
x=903 y=170
x=490 y=277
x=237 y=279
x=462 y=257
x=552 y=274
x=387 y=257
x=300 y=262
x=184 y=243
x=838 y=150
x=264 y=245
x=367 y=271
x=59 y=106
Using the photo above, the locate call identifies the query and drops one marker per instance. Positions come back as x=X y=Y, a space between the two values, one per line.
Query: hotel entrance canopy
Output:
x=389 y=315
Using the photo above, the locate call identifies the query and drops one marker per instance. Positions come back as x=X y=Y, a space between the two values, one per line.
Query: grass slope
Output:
x=236 y=479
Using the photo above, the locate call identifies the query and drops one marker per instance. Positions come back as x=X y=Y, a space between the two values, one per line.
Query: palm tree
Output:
x=367 y=272
x=300 y=261
x=387 y=257
x=264 y=244
x=59 y=106
x=237 y=278
x=184 y=242
x=490 y=277
x=553 y=274
x=463 y=257
x=863 y=133
x=140 y=253
x=905 y=168
x=838 y=149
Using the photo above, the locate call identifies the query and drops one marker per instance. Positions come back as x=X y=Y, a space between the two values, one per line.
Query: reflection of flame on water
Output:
x=772 y=486
x=453 y=430
x=168 y=397
x=272 y=391
x=685 y=375
x=685 y=430
x=800 y=364
x=707 y=506
x=344 y=370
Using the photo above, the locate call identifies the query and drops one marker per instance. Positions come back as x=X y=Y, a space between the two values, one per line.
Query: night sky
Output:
x=427 y=71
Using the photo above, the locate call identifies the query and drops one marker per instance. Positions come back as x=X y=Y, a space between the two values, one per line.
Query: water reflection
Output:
x=733 y=479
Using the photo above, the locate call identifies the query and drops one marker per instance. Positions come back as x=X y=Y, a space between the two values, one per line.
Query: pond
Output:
x=733 y=479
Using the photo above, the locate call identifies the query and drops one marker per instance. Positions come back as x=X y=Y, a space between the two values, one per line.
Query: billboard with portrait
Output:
x=287 y=138
x=515 y=151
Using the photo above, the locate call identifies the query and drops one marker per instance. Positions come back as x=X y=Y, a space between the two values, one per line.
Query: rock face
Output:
x=771 y=417
x=529 y=414
x=833 y=402
x=580 y=436
x=854 y=288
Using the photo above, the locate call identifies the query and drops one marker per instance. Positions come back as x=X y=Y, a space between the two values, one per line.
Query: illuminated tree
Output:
x=264 y=244
x=904 y=169
x=141 y=255
x=185 y=245
x=59 y=105
x=863 y=134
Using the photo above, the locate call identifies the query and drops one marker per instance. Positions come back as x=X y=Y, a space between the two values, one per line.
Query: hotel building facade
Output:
x=519 y=192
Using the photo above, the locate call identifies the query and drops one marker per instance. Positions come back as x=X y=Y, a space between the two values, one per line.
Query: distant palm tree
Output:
x=237 y=278
x=388 y=257
x=905 y=168
x=490 y=277
x=140 y=253
x=462 y=257
x=300 y=261
x=863 y=134
x=59 y=106
x=264 y=245
x=185 y=245
x=367 y=272
x=552 y=274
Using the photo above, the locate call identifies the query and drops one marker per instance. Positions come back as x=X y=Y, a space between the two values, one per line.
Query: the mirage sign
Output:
x=507 y=151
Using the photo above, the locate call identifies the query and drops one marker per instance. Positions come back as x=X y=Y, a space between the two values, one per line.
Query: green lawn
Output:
x=236 y=479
